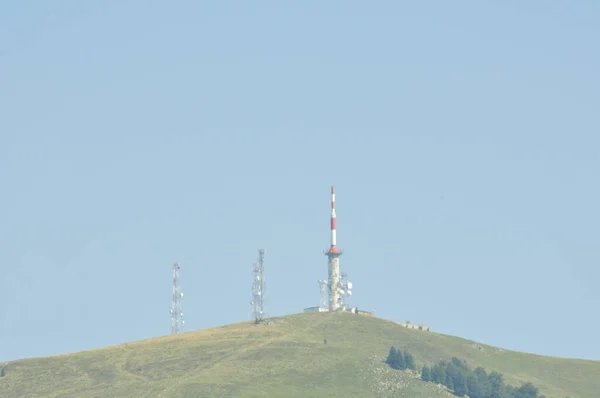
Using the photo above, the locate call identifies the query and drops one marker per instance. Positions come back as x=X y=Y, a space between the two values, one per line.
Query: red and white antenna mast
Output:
x=333 y=256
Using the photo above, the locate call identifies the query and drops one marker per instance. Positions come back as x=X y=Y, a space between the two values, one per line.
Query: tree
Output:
x=451 y=370
x=527 y=390
x=510 y=391
x=479 y=384
x=472 y=387
x=434 y=375
x=438 y=374
x=497 y=387
x=400 y=360
x=2 y=371
x=459 y=363
x=391 y=357
x=449 y=383
x=460 y=384
x=426 y=374
x=409 y=361
x=483 y=387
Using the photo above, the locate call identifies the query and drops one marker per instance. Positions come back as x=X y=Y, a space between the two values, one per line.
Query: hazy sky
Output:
x=462 y=137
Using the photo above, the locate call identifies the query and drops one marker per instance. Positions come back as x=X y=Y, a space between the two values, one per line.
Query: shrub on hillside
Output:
x=400 y=360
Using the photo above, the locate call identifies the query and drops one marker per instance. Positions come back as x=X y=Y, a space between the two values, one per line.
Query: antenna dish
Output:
x=349 y=284
x=349 y=293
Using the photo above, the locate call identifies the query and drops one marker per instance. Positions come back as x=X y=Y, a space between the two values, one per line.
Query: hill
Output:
x=287 y=357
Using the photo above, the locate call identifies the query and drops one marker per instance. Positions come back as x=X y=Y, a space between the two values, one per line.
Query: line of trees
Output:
x=460 y=379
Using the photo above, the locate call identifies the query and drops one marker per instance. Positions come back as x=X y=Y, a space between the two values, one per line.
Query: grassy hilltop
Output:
x=287 y=358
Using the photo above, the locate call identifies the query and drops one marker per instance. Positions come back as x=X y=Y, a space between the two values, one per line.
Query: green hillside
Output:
x=286 y=358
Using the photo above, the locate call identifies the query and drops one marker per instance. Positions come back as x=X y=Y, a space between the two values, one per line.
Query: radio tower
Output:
x=176 y=306
x=258 y=288
x=333 y=255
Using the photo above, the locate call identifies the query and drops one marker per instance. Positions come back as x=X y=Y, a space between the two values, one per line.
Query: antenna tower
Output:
x=177 y=303
x=333 y=256
x=258 y=288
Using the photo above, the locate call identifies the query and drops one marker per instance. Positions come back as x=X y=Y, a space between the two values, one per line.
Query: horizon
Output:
x=283 y=316
x=461 y=139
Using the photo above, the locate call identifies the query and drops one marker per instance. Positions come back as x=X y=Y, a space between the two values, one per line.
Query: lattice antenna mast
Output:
x=177 y=321
x=324 y=286
x=345 y=290
x=258 y=288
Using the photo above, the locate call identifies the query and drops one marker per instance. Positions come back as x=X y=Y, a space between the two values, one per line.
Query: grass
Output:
x=286 y=359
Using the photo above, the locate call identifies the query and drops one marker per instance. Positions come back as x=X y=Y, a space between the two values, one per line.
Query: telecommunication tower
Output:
x=258 y=288
x=176 y=311
x=333 y=256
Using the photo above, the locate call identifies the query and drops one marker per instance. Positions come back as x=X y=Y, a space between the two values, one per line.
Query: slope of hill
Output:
x=286 y=358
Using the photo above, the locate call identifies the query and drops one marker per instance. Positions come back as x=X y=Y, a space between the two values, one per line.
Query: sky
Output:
x=462 y=139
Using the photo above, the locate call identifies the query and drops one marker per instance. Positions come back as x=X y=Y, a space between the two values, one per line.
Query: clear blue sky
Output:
x=462 y=137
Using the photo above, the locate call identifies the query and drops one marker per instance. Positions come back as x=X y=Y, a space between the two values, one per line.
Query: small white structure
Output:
x=316 y=309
